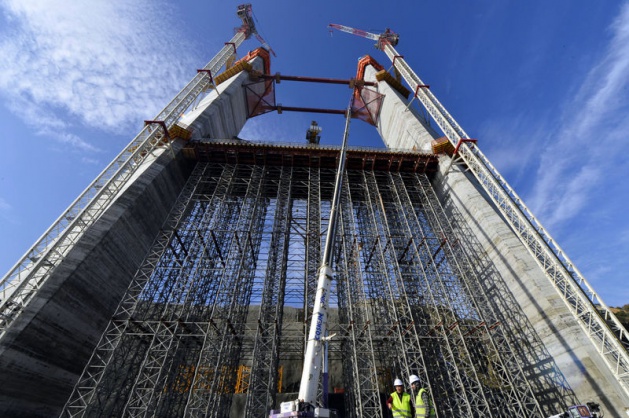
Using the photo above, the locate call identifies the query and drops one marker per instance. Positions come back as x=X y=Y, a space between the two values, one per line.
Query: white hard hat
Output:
x=398 y=382
x=413 y=378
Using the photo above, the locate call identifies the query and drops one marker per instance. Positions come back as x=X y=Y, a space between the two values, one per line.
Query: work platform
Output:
x=227 y=282
x=300 y=155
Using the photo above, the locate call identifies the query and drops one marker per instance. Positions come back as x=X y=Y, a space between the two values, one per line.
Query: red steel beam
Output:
x=278 y=77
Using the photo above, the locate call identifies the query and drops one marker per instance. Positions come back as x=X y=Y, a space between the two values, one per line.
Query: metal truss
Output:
x=397 y=352
x=506 y=371
x=359 y=368
x=263 y=378
x=240 y=247
x=415 y=249
x=30 y=273
x=524 y=347
x=593 y=315
x=86 y=394
x=240 y=225
x=409 y=338
x=449 y=295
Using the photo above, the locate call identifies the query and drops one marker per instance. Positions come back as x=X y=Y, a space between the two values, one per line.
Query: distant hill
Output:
x=622 y=313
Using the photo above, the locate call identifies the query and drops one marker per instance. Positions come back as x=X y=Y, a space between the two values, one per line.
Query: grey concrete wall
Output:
x=47 y=347
x=399 y=127
x=223 y=112
x=571 y=349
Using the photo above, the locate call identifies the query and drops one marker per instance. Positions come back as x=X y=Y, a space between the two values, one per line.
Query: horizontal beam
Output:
x=281 y=109
x=351 y=82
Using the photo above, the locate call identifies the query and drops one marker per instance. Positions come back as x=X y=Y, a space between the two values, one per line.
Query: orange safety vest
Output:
x=401 y=408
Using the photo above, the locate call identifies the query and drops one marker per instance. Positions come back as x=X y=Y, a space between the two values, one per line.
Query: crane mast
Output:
x=594 y=316
x=305 y=405
x=245 y=13
x=314 y=350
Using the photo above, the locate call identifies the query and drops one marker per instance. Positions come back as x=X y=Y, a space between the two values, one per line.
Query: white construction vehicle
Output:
x=589 y=410
x=305 y=405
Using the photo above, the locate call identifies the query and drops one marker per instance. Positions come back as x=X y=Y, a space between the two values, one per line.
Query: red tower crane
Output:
x=245 y=13
x=387 y=37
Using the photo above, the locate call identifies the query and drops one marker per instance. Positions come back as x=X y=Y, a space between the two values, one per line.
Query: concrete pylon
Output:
x=47 y=347
x=223 y=112
x=573 y=353
x=401 y=127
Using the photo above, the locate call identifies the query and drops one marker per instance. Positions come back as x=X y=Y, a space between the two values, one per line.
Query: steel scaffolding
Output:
x=596 y=319
x=229 y=283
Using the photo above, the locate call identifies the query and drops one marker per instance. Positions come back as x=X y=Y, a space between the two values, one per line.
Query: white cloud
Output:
x=6 y=213
x=592 y=120
x=106 y=64
x=4 y=205
x=45 y=123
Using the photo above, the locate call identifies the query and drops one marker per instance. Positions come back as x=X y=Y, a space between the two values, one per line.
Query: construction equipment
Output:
x=245 y=13
x=388 y=36
x=312 y=134
x=589 y=410
x=305 y=405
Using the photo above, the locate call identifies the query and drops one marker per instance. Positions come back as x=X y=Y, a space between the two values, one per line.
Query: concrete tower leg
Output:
x=463 y=197
x=399 y=127
x=223 y=112
x=45 y=350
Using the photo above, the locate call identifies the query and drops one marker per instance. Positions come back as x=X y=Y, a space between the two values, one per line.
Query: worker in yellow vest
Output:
x=400 y=402
x=423 y=405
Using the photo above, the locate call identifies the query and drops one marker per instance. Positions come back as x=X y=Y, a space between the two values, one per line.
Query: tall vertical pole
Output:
x=314 y=349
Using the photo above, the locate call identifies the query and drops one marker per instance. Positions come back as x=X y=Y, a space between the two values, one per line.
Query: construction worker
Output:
x=400 y=402
x=423 y=406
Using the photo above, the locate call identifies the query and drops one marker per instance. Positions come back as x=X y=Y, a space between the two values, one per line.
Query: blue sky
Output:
x=543 y=85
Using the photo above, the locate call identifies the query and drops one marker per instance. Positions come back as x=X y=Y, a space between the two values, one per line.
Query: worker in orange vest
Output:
x=400 y=402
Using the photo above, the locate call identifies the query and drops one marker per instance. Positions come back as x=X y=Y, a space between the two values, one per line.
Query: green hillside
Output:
x=622 y=313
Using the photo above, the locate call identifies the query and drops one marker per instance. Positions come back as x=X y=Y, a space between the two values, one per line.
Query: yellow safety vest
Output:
x=401 y=408
x=423 y=410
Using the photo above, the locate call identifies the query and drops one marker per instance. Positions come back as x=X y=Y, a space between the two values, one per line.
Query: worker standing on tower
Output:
x=423 y=406
x=399 y=402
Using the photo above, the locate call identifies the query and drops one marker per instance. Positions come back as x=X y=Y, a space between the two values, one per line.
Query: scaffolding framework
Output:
x=238 y=257
x=214 y=322
x=596 y=319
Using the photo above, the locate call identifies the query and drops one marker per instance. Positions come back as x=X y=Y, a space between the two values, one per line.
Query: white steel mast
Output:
x=306 y=403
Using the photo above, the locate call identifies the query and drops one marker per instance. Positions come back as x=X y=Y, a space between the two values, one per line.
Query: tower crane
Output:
x=386 y=37
x=245 y=13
